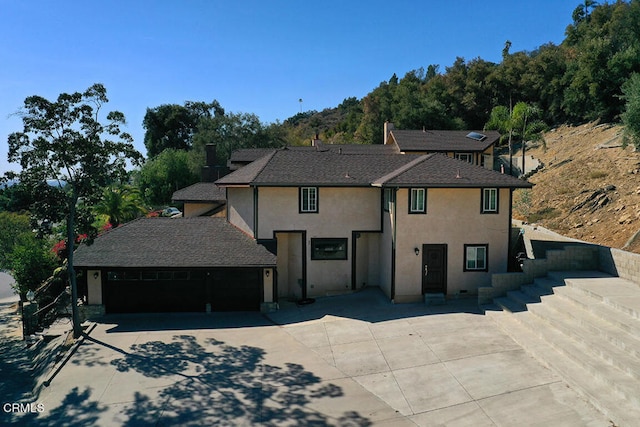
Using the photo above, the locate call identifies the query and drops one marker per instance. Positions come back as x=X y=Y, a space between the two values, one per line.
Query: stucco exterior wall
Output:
x=453 y=217
x=267 y=284
x=340 y=212
x=197 y=209
x=240 y=209
x=289 y=265
x=94 y=287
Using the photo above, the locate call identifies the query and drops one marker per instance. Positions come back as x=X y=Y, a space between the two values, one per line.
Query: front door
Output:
x=434 y=269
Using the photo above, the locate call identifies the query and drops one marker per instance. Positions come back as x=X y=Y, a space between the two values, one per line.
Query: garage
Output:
x=224 y=289
x=164 y=265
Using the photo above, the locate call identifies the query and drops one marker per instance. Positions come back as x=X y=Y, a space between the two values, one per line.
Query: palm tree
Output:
x=526 y=117
x=519 y=122
x=120 y=204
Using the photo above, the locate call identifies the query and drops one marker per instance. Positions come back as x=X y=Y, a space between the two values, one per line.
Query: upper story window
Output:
x=308 y=199
x=417 y=200
x=465 y=157
x=489 y=200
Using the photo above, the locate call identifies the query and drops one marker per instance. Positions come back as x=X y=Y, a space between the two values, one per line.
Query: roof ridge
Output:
x=266 y=159
x=402 y=169
x=252 y=174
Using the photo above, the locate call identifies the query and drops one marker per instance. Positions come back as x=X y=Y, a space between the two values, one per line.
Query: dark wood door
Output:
x=434 y=269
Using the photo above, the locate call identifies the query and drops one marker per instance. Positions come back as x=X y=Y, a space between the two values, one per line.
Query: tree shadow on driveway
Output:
x=218 y=384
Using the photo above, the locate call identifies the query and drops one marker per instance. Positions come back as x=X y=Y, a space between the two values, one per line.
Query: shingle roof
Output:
x=439 y=170
x=358 y=148
x=200 y=192
x=442 y=140
x=174 y=242
x=244 y=155
x=246 y=174
x=295 y=168
x=248 y=155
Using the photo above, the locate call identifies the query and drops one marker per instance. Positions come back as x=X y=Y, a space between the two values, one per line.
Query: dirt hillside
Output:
x=588 y=187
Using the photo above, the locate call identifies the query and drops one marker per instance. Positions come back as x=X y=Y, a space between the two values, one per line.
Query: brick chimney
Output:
x=210 y=170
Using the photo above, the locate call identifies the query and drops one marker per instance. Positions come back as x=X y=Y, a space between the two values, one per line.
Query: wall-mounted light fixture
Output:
x=416 y=250
x=266 y=273
x=96 y=275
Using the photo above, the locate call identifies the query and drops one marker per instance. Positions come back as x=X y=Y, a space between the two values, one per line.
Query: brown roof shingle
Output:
x=174 y=242
x=200 y=192
x=439 y=170
x=442 y=140
x=295 y=168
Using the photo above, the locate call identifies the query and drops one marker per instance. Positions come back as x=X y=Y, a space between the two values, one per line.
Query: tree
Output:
x=14 y=230
x=171 y=170
x=64 y=141
x=174 y=126
x=31 y=264
x=631 y=114
x=120 y=204
x=526 y=118
x=232 y=131
x=520 y=122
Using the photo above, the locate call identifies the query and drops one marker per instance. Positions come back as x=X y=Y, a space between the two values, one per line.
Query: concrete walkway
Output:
x=345 y=360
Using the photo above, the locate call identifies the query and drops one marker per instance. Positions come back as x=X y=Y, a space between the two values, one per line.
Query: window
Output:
x=308 y=199
x=489 y=200
x=418 y=200
x=475 y=257
x=328 y=249
x=389 y=199
x=465 y=157
x=477 y=136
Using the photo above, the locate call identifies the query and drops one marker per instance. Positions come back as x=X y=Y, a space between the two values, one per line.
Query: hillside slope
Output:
x=589 y=187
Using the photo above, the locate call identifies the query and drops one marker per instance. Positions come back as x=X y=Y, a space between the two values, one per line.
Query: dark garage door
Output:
x=135 y=291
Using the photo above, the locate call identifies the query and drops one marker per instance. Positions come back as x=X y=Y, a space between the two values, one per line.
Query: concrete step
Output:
x=618 y=293
x=547 y=283
x=624 y=384
x=435 y=299
x=591 y=334
x=621 y=411
x=524 y=298
x=587 y=309
x=599 y=319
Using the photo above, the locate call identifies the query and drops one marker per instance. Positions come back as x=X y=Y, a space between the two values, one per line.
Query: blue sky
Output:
x=252 y=56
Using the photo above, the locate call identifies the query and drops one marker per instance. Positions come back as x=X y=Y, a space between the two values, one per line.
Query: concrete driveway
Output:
x=353 y=360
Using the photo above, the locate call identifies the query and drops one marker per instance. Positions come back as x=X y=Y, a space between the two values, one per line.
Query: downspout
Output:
x=509 y=249
x=393 y=245
x=255 y=213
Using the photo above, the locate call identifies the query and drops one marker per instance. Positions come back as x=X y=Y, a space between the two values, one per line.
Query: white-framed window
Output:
x=475 y=257
x=489 y=200
x=308 y=199
x=465 y=157
x=417 y=200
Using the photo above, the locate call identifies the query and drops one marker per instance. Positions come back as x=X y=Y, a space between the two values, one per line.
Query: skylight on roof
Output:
x=476 y=136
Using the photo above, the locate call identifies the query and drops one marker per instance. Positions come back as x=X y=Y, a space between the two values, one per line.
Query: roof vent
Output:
x=476 y=136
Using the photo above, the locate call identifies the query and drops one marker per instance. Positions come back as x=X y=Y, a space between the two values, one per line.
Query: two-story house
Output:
x=310 y=221
x=411 y=224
